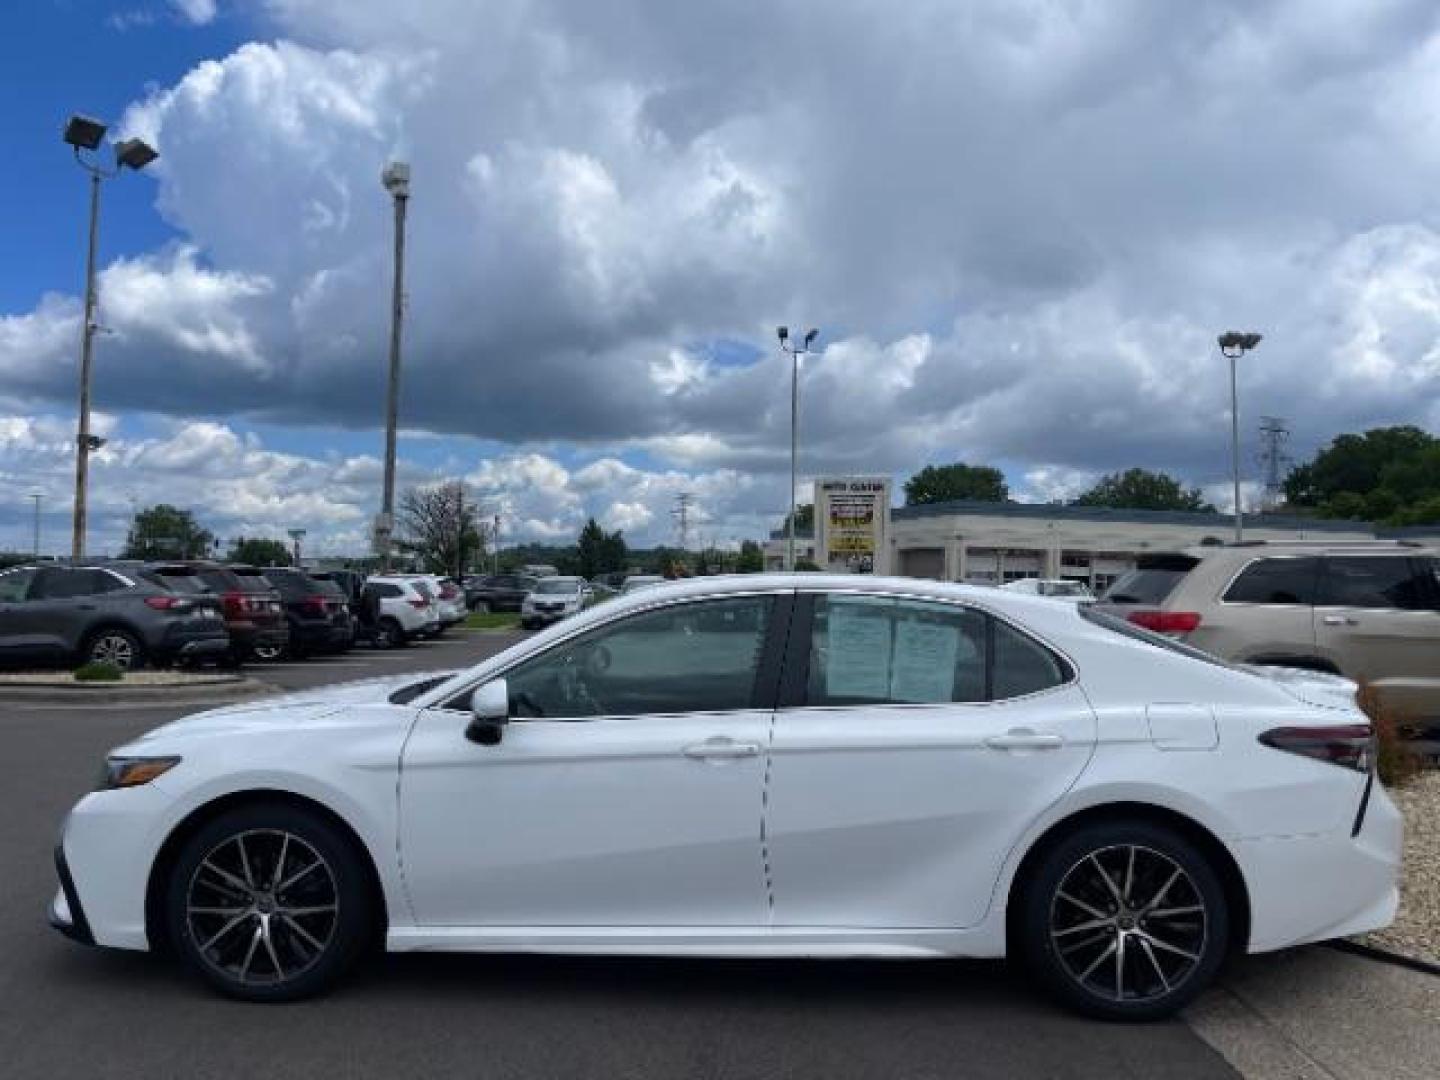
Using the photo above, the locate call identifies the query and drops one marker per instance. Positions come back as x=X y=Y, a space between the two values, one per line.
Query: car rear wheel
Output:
x=268 y=653
x=389 y=635
x=269 y=903
x=481 y=607
x=1124 y=921
x=115 y=646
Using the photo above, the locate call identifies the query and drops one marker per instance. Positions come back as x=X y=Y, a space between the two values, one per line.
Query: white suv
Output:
x=449 y=599
x=406 y=610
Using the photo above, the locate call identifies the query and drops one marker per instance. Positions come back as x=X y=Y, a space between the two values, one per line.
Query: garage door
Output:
x=923 y=562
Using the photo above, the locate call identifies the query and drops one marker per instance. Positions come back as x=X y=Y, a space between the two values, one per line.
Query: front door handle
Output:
x=720 y=748
x=1338 y=620
x=1025 y=739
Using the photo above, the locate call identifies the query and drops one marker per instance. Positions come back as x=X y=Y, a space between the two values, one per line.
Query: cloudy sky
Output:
x=1018 y=224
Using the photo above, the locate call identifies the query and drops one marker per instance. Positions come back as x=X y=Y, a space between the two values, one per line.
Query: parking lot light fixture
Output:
x=1233 y=345
x=795 y=351
x=84 y=136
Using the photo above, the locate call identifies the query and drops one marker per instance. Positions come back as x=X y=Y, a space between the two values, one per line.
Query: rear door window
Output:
x=1275 y=581
x=15 y=585
x=57 y=584
x=1377 y=581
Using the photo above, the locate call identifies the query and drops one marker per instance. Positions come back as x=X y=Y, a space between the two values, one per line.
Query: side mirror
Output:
x=490 y=712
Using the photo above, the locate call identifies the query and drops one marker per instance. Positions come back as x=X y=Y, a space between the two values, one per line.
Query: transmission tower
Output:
x=684 y=503
x=1273 y=458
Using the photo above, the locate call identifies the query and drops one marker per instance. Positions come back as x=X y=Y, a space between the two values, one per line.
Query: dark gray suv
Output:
x=125 y=617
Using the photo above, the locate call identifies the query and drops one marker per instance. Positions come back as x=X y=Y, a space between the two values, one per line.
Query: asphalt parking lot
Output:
x=66 y=1010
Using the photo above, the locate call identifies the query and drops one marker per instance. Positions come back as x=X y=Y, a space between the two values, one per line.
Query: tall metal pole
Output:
x=37 y=497
x=1235 y=448
x=392 y=401
x=794 y=451
x=87 y=341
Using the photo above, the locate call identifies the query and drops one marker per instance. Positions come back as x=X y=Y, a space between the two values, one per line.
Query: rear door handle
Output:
x=720 y=748
x=1338 y=620
x=1025 y=739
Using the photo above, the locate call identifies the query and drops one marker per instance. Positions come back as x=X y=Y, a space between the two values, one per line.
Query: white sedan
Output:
x=770 y=765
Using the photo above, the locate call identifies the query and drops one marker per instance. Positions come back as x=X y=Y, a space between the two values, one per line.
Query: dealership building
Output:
x=993 y=543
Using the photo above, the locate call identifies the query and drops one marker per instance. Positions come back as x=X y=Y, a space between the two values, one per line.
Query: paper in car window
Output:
x=925 y=656
x=858 y=658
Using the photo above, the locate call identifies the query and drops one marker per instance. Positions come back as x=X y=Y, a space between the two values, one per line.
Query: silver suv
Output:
x=1368 y=611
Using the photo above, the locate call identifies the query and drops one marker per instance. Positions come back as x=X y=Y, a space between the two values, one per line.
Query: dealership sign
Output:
x=852 y=518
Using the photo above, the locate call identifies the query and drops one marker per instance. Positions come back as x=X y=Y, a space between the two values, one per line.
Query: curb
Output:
x=1385 y=956
x=81 y=695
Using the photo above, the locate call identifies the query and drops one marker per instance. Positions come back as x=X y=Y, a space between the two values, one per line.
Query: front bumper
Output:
x=534 y=618
x=1323 y=886
x=66 y=914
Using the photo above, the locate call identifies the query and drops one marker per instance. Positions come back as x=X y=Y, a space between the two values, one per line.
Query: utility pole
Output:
x=296 y=535
x=1274 y=434
x=38 y=497
x=396 y=179
x=683 y=502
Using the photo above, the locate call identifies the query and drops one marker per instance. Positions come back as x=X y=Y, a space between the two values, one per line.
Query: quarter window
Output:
x=701 y=657
x=1359 y=581
x=1275 y=581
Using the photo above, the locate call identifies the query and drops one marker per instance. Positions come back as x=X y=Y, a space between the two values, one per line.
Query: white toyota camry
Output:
x=769 y=765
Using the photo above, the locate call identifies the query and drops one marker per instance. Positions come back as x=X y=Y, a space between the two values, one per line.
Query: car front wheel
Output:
x=1124 y=921
x=115 y=646
x=269 y=903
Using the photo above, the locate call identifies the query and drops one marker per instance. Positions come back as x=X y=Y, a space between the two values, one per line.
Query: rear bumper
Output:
x=1313 y=888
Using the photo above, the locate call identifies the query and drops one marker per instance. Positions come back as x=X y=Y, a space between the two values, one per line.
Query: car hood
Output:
x=293 y=710
x=1318 y=688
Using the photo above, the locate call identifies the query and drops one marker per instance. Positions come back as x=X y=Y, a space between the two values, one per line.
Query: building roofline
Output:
x=1065 y=512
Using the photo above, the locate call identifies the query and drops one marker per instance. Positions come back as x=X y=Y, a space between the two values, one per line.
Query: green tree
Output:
x=1390 y=475
x=751 y=559
x=1140 y=489
x=260 y=551
x=949 y=483
x=599 y=552
x=167 y=532
x=804 y=520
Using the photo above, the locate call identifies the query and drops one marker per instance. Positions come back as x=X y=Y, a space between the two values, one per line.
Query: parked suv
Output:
x=254 y=616
x=498 y=592
x=315 y=609
x=403 y=610
x=1368 y=611
x=126 y=618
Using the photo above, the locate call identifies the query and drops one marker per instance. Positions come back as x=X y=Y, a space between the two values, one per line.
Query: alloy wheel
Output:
x=268 y=652
x=262 y=907
x=115 y=649
x=1128 y=924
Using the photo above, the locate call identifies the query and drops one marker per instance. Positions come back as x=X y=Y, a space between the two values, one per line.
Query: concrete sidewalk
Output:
x=1315 y=1013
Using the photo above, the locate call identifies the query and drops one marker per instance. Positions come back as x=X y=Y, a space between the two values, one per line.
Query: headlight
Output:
x=123 y=772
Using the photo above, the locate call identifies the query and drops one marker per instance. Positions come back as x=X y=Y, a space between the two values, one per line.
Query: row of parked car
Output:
x=544 y=600
x=131 y=613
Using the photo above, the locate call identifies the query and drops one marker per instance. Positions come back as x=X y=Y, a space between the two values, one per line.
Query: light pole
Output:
x=1233 y=345
x=795 y=351
x=38 y=497
x=296 y=535
x=396 y=179
x=83 y=133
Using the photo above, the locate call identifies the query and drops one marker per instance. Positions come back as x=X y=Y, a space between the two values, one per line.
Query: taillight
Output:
x=1166 y=622
x=168 y=603
x=1349 y=745
x=313 y=605
x=236 y=603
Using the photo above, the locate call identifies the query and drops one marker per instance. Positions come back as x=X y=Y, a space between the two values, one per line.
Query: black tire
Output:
x=114 y=645
x=268 y=653
x=1085 y=902
x=199 y=902
x=481 y=607
x=389 y=634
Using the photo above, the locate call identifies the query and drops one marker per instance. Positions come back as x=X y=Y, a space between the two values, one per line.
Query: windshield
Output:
x=551 y=586
x=1063 y=588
